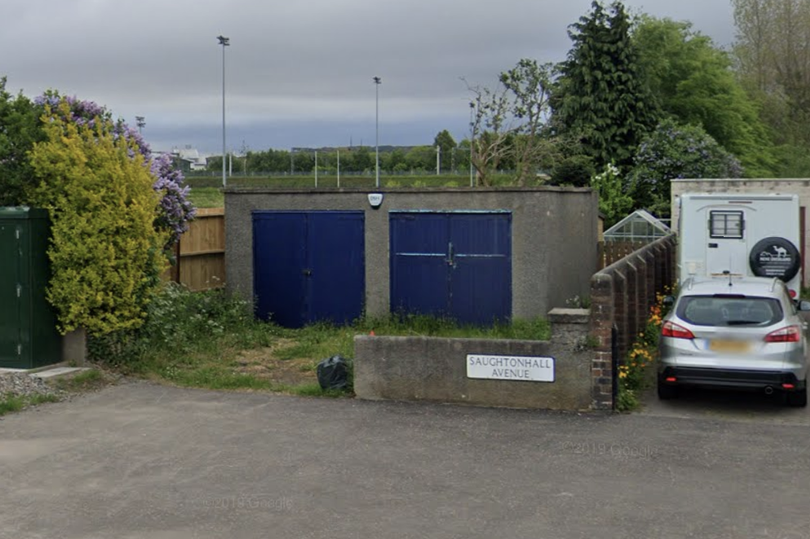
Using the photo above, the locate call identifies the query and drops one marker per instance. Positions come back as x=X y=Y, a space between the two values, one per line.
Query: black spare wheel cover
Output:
x=775 y=257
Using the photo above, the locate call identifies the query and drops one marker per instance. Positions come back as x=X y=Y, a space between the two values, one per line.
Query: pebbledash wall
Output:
x=799 y=187
x=439 y=370
x=554 y=236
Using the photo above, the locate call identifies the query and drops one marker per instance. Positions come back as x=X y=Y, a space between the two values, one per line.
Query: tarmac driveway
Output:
x=142 y=460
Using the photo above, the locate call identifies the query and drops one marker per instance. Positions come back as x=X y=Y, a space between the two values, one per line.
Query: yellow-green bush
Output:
x=105 y=252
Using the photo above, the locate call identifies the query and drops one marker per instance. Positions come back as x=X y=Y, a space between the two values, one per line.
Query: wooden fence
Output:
x=201 y=252
x=609 y=252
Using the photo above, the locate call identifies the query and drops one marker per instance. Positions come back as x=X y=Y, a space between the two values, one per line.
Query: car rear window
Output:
x=729 y=310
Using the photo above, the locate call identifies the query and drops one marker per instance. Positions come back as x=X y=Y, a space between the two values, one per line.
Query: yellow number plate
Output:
x=735 y=347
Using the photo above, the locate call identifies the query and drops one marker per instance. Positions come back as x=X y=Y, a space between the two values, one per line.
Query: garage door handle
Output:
x=308 y=273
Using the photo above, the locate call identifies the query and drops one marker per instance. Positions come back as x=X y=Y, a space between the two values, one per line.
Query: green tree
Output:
x=772 y=54
x=675 y=151
x=421 y=158
x=19 y=131
x=394 y=161
x=693 y=81
x=105 y=251
x=361 y=159
x=601 y=98
x=444 y=140
x=574 y=170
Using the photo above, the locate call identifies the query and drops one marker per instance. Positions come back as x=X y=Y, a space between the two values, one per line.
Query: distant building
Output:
x=187 y=159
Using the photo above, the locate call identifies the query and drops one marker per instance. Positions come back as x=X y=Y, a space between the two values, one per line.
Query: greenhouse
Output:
x=639 y=226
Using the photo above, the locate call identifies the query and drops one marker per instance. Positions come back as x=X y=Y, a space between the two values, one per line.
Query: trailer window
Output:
x=726 y=224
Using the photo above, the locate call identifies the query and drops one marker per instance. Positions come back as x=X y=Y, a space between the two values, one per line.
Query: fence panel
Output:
x=201 y=252
x=609 y=252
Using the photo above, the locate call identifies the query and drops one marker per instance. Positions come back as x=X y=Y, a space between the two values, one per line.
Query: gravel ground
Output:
x=24 y=385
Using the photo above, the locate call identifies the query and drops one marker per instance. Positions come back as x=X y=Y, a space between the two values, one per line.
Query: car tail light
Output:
x=671 y=379
x=670 y=329
x=788 y=334
x=788 y=386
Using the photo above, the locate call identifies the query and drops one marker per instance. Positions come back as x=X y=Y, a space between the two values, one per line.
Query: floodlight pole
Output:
x=472 y=139
x=377 y=82
x=225 y=42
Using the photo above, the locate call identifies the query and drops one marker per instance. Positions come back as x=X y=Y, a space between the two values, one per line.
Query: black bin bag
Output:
x=333 y=373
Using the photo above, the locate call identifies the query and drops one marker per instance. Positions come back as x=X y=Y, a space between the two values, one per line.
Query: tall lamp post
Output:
x=472 y=139
x=377 y=82
x=225 y=42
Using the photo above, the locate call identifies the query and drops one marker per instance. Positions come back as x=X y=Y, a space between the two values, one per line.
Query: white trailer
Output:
x=740 y=234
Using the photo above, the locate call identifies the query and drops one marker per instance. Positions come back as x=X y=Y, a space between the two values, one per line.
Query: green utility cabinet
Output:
x=28 y=335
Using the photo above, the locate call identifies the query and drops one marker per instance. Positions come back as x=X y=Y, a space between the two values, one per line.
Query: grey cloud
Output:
x=310 y=61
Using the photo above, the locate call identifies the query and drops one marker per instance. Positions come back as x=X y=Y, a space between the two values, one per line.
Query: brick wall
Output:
x=621 y=296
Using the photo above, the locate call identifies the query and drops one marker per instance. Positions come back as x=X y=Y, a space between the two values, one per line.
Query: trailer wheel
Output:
x=775 y=257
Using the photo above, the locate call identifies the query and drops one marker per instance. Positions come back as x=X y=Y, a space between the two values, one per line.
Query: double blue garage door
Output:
x=310 y=266
x=456 y=264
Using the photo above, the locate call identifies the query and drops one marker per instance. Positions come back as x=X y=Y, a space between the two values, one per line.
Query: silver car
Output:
x=741 y=333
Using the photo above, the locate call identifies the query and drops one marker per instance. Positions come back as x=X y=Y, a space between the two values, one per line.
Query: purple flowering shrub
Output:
x=176 y=210
x=674 y=151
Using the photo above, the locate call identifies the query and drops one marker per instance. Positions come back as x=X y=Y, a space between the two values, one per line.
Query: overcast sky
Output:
x=298 y=73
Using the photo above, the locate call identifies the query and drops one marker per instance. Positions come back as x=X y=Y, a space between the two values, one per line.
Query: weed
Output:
x=627 y=400
x=82 y=381
x=431 y=326
x=42 y=399
x=315 y=390
x=588 y=343
x=11 y=403
x=634 y=374
x=180 y=327
x=577 y=302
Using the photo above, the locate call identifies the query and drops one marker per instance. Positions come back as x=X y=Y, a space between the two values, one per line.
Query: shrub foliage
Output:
x=105 y=251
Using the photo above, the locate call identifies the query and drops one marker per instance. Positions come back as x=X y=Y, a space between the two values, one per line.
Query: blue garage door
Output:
x=308 y=266
x=455 y=264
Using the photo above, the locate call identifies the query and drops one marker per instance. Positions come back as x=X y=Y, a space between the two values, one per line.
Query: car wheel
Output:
x=667 y=392
x=797 y=399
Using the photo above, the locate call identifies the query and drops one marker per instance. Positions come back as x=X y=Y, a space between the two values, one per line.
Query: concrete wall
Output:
x=435 y=369
x=799 y=187
x=554 y=236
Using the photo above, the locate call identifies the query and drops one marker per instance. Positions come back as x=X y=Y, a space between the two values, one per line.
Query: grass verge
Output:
x=210 y=340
